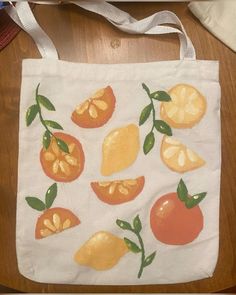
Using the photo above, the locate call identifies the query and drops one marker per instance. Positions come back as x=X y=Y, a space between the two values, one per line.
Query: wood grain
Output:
x=84 y=37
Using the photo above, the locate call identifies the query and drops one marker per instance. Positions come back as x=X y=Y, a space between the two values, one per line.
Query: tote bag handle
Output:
x=152 y=25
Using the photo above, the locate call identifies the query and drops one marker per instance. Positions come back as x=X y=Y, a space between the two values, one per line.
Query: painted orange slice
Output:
x=53 y=221
x=186 y=108
x=102 y=251
x=95 y=111
x=59 y=165
x=118 y=191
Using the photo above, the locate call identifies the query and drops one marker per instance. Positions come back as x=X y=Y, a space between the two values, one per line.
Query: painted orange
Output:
x=53 y=221
x=95 y=111
x=118 y=191
x=173 y=223
x=59 y=165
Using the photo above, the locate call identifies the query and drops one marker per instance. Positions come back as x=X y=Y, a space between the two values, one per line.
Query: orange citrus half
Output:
x=118 y=191
x=95 y=111
x=54 y=220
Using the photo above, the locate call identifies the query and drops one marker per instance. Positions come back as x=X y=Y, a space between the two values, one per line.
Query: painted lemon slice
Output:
x=179 y=157
x=120 y=149
x=186 y=108
x=102 y=251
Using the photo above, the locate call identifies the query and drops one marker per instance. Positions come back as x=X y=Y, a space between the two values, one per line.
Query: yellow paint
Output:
x=120 y=149
x=186 y=108
x=102 y=251
x=178 y=157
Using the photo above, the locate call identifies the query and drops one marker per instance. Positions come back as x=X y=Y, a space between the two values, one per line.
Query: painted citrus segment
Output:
x=53 y=221
x=178 y=157
x=118 y=191
x=95 y=111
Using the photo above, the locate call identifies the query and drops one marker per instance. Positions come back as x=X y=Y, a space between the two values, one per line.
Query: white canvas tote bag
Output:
x=119 y=164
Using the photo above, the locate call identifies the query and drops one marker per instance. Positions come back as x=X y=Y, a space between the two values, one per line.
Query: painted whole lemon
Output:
x=120 y=149
x=102 y=251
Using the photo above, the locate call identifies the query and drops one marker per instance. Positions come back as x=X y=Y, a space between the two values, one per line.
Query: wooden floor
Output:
x=84 y=37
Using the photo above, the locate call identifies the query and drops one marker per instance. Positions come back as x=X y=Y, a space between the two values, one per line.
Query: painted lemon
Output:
x=102 y=251
x=178 y=157
x=186 y=108
x=120 y=149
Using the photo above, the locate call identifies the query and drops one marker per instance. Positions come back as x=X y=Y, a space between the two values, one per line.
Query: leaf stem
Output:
x=153 y=108
x=142 y=254
x=40 y=113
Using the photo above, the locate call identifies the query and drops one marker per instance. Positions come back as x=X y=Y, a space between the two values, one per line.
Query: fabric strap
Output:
x=154 y=24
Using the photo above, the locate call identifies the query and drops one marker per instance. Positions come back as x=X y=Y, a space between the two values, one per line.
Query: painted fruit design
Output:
x=120 y=149
x=178 y=157
x=52 y=220
x=102 y=251
x=186 y=108
x=118 y=191
x=95 y=111
x=176 y=218
x=59 y=165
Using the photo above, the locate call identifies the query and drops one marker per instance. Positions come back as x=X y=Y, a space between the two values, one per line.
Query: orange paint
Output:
x=118 y=191
x=173 y=223
x=59 y=165
x=53 y=221
x=95 y=111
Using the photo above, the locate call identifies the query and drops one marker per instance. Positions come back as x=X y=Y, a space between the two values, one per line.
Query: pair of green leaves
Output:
x=35 y=110
x=189 y=201
x=132 y=246
x=39 y=205
x=159 y=125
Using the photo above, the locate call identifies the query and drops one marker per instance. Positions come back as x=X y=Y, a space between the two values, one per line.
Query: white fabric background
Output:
x=50 y=260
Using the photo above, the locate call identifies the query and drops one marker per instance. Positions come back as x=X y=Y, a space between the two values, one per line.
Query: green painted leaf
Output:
x=182 y=191
x=163 y=127
x=132 y=246
x=46 y=139
x=146 y=89
x=161 y=96
x=195 y=200
x=50 y=195
x=123 y=224
x=62 y=145
x=53 y=124
x=137 y=224
x=44 y=101
x=148 y=143
x=148 y=260
x=145 y=114
x=31 y=113
x=35 y=203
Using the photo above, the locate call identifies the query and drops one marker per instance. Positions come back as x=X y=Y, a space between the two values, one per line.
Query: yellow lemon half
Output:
x=120 y=149
x=178 y=157
x=102 y=251
x=186 y=108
